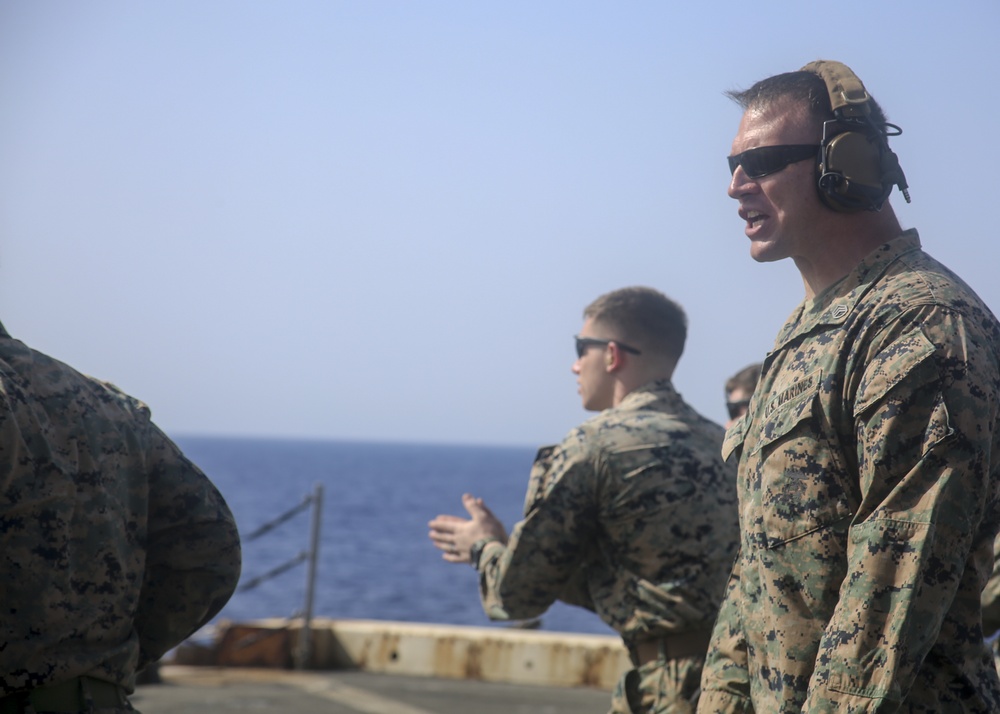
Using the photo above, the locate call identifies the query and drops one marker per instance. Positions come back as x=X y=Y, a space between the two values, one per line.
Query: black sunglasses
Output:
x=765 y=160
x=737 y=409
x=582 y=343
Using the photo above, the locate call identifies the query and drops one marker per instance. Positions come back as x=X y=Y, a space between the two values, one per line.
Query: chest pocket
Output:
x=795 y=472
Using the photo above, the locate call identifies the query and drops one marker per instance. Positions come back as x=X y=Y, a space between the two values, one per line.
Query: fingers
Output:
x=474 y=506
x=454 y=536
x=446 y=544
x=446 y=523
x=450 y=550
x=477 y=508
x=443 y=534
x=444 y=541
x=447 y=518
x=486 y=523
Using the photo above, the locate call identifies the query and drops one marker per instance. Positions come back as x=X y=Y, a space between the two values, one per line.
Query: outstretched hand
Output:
x=454 y=536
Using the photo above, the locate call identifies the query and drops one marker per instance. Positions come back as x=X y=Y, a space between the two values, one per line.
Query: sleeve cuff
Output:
x=476 y=552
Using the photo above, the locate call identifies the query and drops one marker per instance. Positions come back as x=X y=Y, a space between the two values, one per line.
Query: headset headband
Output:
x=848 y=95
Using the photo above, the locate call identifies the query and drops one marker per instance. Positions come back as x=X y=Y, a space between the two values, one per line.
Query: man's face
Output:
x=594 y=383
x=782 y=209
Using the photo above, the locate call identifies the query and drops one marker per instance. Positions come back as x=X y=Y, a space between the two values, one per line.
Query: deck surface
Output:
x=186 y=690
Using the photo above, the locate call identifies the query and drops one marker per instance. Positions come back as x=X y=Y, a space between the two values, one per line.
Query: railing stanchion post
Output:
x=305 y=650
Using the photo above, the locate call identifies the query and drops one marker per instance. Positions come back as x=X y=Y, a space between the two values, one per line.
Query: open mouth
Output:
x=753 y=218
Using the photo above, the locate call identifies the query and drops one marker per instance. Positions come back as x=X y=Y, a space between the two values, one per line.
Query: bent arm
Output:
x=542 y=557
x=193 y=551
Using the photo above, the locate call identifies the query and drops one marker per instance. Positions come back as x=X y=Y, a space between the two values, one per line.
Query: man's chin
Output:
x=594 y=405
x=765 y=253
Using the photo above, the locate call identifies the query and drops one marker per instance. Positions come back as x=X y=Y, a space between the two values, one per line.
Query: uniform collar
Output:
x=833 y=305
x=650 y=391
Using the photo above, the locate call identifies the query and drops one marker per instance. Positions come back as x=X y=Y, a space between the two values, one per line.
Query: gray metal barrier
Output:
x=314 y=499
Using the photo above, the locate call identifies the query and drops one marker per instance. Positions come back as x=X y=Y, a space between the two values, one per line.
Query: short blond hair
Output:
x=644 y=318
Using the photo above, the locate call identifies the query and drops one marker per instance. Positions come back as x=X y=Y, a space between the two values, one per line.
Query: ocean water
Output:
x=375 y=559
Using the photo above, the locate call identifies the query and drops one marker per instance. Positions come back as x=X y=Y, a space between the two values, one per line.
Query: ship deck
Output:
x=196 y=689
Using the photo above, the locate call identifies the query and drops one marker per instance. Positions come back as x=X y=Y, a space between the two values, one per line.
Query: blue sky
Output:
x=382 y=220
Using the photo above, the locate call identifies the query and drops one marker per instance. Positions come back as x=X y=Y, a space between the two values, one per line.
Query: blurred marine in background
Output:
x=114 y=547
x=739 y=388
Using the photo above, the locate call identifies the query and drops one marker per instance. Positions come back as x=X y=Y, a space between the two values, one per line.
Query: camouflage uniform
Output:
x=632 y=516
x=991 y=605
x=114 y=546
x=868 y=468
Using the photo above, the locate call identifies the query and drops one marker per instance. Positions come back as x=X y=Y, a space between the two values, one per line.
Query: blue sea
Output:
x=375 y=559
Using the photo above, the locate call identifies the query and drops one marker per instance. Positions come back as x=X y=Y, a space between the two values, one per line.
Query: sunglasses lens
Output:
x=766 y=160
x=761 y=162
x=737 y=409
x=585 y=343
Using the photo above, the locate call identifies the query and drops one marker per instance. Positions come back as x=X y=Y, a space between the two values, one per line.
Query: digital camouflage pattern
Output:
x=991 y=604
x=632 y=516
x=114 y=546
x=868 y=479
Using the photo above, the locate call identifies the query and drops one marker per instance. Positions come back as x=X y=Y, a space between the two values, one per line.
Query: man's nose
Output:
x=740 y=183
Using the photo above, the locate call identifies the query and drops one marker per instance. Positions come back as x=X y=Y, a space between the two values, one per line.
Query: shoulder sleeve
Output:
x=925 y=420
x=193 y=551
x=725 y=680
x=523 y=578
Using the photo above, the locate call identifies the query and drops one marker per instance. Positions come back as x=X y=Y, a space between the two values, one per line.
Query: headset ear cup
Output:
x=857 y=169
x=850 y=172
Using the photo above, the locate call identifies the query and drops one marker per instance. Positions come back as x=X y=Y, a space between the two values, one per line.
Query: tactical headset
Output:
x=857 y=169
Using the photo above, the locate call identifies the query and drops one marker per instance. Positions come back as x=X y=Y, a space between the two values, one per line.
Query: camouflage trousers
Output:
x=660 y=687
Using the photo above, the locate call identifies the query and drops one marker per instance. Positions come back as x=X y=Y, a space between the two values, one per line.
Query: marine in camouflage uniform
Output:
x=633 y=517
x=868 y=463
x=115 y=547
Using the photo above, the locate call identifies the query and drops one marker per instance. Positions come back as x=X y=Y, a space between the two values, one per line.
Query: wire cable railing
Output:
x=310 y=556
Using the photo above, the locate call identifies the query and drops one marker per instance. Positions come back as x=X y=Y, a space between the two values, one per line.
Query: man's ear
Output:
x=612 y=357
